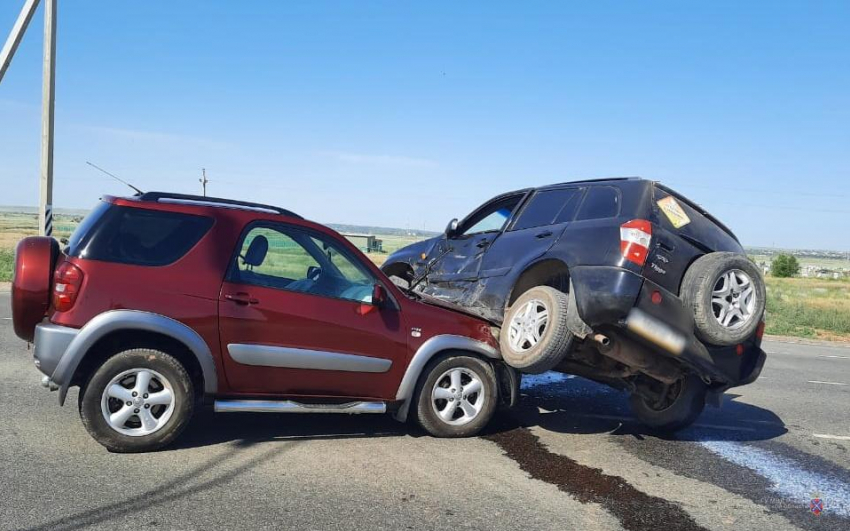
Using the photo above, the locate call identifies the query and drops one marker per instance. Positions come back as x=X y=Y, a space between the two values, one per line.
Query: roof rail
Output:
x=189 y=199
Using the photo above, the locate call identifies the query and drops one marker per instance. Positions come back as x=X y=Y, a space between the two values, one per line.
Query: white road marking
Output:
x=787 y=477
x=6 y=318
x=833 y=437
x=835 y=357
x=825 y=383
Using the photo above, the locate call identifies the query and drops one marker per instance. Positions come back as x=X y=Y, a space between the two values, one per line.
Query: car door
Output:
x=538 y=225
x=296 y=318
x=458 y=256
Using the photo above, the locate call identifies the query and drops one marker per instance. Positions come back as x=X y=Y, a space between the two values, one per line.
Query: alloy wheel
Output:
x=138 y=402
x=458 y=396
x=733 y=299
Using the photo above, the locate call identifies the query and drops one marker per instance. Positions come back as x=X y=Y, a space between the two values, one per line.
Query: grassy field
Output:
x=808 y=307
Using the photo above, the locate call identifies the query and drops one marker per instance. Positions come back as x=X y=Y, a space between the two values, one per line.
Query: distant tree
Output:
x=785 y=265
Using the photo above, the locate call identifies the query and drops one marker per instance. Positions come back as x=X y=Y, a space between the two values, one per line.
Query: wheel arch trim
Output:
x=426 y=353
x=132 y=320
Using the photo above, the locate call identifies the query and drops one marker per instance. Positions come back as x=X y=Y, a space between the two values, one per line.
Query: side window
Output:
x=545 y=207
x=600 y=202
x=290 y=259
x=492 y=218
x=137 y=236
x=284 y=258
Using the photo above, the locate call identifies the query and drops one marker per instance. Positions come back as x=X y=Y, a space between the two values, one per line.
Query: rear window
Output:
x=136 y=236
x=545 y=208
x=600 y=202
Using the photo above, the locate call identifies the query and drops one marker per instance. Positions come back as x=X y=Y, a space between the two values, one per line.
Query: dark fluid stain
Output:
x=636 y=510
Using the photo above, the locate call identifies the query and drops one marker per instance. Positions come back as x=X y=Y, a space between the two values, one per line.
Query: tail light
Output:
x=67 y=281
x=634 y=240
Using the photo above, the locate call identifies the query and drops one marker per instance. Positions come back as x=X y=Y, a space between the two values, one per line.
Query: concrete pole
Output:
x=45 y=205
x=16 y=35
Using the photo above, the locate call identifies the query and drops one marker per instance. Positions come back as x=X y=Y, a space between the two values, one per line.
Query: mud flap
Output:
x=509 y=381
x=574 y=321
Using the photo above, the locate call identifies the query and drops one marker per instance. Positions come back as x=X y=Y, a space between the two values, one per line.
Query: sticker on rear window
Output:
x=674 y=212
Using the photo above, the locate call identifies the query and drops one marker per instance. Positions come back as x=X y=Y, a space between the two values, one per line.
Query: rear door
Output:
x=296 y=318
x=537 y=226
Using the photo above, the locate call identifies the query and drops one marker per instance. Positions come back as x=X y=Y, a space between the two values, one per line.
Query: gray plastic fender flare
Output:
x=428 y=350
x=116 y=320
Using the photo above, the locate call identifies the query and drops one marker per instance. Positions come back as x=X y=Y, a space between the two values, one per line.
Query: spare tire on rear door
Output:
x=535 y=336
x=35 y=259
x=726 y=293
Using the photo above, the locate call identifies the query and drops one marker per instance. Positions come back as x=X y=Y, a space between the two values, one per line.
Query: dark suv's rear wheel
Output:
x=726 y=293
x=535 y=336
x=677 y=406
x=137 y=401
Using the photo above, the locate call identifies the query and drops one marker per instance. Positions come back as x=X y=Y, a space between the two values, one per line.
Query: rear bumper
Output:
x=668 y=326
x=50 y=343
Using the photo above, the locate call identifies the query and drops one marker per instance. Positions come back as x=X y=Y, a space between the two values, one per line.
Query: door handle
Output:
x=241 y=298
x=482 y=244
x=544 y=234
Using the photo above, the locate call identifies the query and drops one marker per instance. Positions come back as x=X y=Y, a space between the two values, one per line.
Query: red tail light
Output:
x=67 y=281
x=634 y=240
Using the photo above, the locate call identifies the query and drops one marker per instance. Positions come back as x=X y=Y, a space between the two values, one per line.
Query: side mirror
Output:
x=379 y=295
x=451 y=228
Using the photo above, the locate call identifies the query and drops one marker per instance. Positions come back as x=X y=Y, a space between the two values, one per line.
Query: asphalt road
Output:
x=570 y=457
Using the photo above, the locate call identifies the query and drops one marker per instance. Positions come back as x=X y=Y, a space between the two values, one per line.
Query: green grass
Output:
x=7 y=262
x=807 y=307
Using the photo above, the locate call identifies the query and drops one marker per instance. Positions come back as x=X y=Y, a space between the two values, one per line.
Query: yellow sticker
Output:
x=674 y=212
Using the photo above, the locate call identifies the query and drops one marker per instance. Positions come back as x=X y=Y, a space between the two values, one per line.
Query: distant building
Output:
x=368 y=243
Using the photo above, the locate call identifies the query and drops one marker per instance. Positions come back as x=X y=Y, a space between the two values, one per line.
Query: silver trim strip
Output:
x=289 y=406
x=298 y=358
x=423 y=355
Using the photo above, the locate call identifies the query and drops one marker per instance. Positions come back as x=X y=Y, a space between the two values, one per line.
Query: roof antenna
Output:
x=138 y=192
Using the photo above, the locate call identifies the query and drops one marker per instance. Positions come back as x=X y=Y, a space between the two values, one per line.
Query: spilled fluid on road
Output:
x=636 y=510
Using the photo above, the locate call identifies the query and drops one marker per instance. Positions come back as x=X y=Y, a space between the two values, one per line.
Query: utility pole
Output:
x=203 y=180
x=45 y=206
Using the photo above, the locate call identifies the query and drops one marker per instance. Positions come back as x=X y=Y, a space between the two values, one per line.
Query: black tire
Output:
x=677 y=412
x=435 y=374
x=555 y=339
x=698 y=285
x=159 y=365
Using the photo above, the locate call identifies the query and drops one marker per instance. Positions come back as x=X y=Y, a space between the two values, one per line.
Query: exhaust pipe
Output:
x=602 y=340
x=637 y=357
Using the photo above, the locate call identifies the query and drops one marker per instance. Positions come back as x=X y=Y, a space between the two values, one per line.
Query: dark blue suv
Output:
x=623 y=281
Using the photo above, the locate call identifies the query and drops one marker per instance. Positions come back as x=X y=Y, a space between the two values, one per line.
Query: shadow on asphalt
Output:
x=574 y=406
x=579 y=406
x=208 y=428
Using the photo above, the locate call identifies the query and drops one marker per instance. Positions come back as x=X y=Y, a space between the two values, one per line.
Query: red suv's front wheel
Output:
x=457 y=397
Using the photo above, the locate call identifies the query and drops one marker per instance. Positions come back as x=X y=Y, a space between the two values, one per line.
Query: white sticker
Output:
x=674 y=212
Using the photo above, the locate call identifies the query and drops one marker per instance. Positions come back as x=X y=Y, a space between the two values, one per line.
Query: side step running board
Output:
x=288 y=406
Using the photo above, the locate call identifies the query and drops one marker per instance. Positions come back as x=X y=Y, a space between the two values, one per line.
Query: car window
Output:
x=291 y=259
x=136 y=236
x=491 y=218
x=600 y=202
x=544 y=208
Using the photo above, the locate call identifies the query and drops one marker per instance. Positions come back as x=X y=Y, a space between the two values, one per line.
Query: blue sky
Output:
x=402 y=114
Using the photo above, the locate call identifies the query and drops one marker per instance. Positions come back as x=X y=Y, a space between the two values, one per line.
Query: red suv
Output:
x=161 y=302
